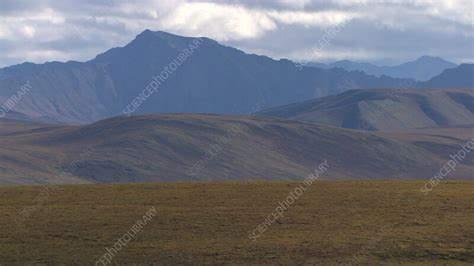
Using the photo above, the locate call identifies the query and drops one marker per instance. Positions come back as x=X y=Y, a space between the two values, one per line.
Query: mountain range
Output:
x=213 y=78
x=166 y=108
x=423 y=68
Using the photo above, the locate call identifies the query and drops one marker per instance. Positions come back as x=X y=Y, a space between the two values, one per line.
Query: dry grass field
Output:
x=332 y=223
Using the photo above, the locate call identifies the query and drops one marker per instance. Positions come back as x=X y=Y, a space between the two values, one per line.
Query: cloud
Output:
x=28 y=31
x=295 y=4
x=230 y=22
x=223 y=22
x=321 y=19
x=385 y=30
x=458 y=11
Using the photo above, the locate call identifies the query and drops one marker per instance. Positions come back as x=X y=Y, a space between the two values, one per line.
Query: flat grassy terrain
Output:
x=333 y=222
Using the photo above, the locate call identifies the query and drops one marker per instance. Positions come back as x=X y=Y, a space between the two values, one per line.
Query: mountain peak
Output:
x=427 y=58
x=146 y=44
x=158 y=33
x=149 y=37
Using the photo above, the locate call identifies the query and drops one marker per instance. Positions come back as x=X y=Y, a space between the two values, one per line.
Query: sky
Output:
x=385 y=32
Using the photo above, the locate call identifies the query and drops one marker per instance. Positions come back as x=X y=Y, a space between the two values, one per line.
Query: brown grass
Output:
x=208 y=223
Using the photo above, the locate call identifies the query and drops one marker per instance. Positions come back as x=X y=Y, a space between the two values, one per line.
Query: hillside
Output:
x=384 y=109
x=213 y=78
x=210 y=147
x=458 y=77
x=423 y=68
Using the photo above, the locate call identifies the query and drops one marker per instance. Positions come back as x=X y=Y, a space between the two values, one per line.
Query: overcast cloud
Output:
x=382 y=31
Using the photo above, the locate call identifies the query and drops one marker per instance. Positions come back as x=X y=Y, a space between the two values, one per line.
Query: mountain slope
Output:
x=422 y=68
x=459 y=77
x=384 y=109
x=203 y=147
x=212 y=79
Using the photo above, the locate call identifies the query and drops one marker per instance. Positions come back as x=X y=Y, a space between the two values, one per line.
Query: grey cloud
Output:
x=383 y=31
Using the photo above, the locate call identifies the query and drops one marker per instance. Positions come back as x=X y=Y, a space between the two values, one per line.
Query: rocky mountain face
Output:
x=194 y=75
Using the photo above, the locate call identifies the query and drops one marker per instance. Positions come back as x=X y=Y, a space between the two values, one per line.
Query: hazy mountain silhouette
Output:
x=214 y=79
x=422 y=68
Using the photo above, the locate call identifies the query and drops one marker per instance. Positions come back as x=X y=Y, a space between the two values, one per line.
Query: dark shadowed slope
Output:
x=385 y=109
x=459 y=77
x=212 y=79
x=166 y=147
x=422 y=68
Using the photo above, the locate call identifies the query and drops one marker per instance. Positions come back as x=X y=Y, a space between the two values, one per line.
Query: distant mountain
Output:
x=212 y=147
x=422 y=68
x=459 y=77
x=384 y=109
x=211 y=79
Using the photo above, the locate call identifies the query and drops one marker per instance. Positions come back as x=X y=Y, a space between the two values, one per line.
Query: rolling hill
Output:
x=384 y=109
x=173 y=147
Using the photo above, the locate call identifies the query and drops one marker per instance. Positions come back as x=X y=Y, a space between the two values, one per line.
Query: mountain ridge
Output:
x=422 y=68
x=384 y=109
x=212 y=79
x=83 y=92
